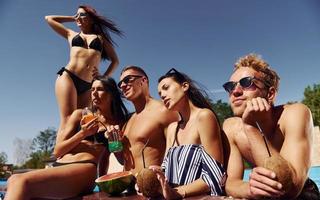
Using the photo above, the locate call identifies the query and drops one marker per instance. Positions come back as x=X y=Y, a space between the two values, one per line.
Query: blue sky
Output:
x=202 y=38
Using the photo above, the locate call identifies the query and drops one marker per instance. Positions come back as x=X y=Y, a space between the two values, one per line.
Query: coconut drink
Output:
x=147 y=180
x=281 y=168
x=148 y=183
x=278 y=165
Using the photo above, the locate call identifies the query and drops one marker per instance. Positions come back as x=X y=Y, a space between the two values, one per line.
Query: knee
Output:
x=17 y=180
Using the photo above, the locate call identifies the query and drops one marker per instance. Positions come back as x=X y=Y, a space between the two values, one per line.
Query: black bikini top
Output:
x=77 y=41
x=98 y=137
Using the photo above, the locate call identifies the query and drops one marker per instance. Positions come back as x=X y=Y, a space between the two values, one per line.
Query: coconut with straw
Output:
x=147 y=180
x=278 y=165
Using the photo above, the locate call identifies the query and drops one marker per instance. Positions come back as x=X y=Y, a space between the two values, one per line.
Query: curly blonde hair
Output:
x=255 y=62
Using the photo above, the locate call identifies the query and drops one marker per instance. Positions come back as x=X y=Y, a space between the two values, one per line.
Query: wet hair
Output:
x=195 y=93
x=255 y=62
x=118 y=109
x=137 y=69
x=102 y=26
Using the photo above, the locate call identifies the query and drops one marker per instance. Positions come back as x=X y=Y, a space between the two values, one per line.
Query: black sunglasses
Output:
x=245 y=82
x=172 y=71
x=128 y=79
x=175 y=72
x=81 y=15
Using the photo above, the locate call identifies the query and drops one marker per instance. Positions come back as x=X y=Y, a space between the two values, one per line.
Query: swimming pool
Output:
x=2 y=185
x=314 y=174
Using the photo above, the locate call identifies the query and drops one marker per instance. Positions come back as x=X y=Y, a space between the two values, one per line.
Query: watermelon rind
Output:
x=115 y=183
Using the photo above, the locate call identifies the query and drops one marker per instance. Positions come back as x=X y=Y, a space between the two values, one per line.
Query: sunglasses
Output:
x=81 y=15
x=245 y=83
x=176 y=73
x=128 y=79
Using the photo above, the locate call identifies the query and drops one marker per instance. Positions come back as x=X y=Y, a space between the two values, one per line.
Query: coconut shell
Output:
x=148 y=183
x=282 y=170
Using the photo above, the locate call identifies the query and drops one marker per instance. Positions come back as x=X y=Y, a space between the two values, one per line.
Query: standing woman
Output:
x=194 y=162
x=80 y=149
x=87 y=48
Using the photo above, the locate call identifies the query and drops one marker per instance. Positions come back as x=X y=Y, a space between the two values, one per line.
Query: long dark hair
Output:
x=102 y=26
x=118 y=109
x=198 y=96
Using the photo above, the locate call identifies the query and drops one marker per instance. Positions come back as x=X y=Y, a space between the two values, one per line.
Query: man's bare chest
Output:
x=142 y=128
x=274 y=140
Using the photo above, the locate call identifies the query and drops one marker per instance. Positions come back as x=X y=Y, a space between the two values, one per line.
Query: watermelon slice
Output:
x=115 y=183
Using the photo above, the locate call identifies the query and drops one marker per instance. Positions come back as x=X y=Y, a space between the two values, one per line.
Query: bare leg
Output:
x=66 y=95
x=57 y=182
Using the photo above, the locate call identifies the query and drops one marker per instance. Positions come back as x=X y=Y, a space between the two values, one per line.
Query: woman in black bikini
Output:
x=87 y=48
x=78 y=155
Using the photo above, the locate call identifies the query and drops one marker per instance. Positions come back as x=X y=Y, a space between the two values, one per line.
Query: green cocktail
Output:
x=115 y=146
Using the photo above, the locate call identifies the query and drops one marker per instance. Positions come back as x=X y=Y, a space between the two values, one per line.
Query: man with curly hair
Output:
x=260 y=130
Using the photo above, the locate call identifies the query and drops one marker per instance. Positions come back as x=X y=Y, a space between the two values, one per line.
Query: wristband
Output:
x=184 y=194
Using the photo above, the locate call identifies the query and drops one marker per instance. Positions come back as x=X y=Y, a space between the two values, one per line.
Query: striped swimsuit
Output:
x=185 y=163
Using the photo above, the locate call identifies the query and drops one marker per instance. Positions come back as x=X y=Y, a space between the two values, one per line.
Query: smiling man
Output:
x=147 y=125
x=287 y=131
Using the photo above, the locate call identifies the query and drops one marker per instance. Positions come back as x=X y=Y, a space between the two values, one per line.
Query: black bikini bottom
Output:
x=57 y=164
x=310 y=191
x=80 y=85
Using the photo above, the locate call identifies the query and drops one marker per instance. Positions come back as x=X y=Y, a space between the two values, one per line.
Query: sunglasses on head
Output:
x=176 y=73
x=81 y=15
x=128 y=79
x=245 y=82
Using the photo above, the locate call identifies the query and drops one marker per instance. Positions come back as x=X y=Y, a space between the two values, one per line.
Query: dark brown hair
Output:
x=102 y=26
x=118 y=109
x=195 y=93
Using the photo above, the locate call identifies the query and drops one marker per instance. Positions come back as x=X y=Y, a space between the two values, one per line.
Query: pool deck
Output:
x=104 y=196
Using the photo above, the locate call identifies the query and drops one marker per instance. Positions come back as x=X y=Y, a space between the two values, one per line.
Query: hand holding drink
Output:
x=89 y=121
x=114 y=140
x=87 y=115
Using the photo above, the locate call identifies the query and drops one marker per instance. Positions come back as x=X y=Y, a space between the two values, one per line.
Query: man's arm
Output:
x=296 y=126
x=296 y=149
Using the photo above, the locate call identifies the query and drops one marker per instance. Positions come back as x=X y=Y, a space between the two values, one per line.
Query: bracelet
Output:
x=228 y=197
x=184 y=194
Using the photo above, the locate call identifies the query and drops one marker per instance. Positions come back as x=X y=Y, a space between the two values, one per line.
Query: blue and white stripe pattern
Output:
x=186 y=163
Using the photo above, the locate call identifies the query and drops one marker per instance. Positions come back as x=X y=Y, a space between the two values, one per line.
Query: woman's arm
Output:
x=197 y=187
x=235 y=186
x=212 y=157
x=210 y=135
x=69 y=138
x=55 y=21
x=114 y=61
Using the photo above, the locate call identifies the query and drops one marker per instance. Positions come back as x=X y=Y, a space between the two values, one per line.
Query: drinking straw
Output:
x=142 y=152
x=264 y=138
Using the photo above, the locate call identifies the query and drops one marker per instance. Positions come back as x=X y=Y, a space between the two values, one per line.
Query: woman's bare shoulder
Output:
x=205 y=113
